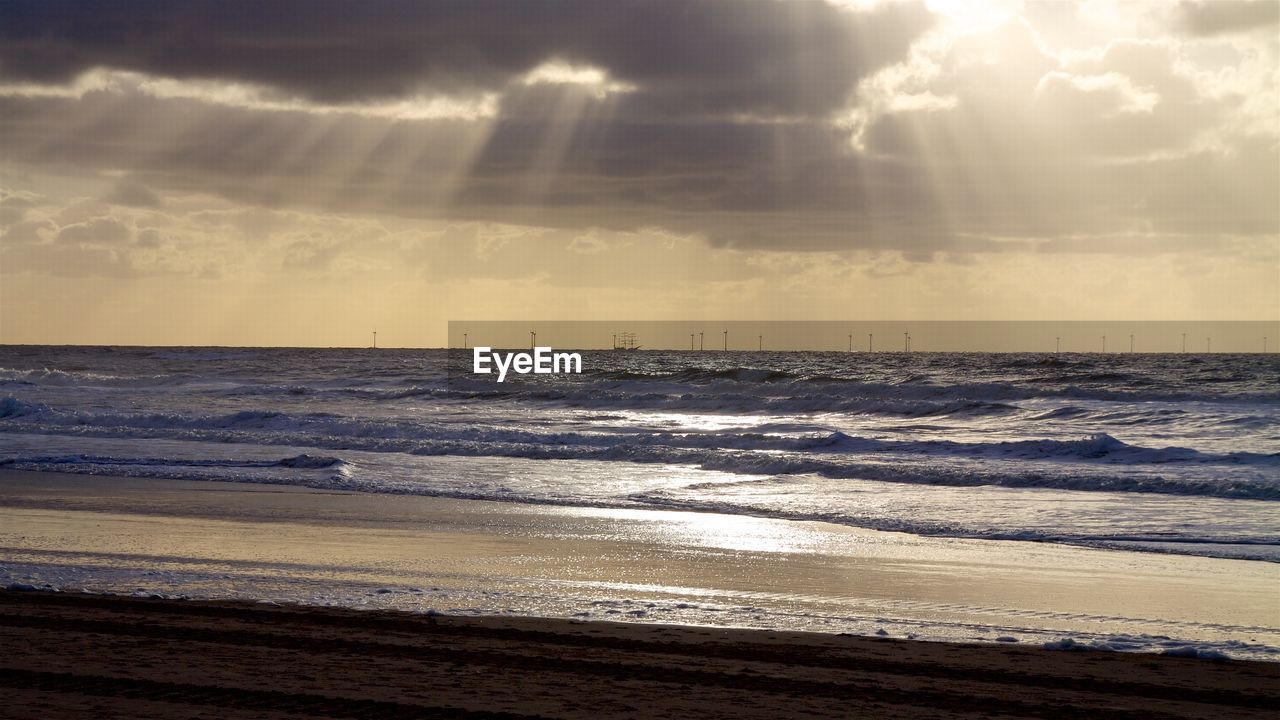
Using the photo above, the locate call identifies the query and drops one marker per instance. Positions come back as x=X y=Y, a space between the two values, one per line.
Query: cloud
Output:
x=790 y=126
x=589 y=243
x=310 y=254
x=14 y=205
x=81 y=238
x=1129 y=136
x=133 y=194
x=98 y=231
x=1104 y=95
x=718 y=56
x=98 y=247
x=1221 y=17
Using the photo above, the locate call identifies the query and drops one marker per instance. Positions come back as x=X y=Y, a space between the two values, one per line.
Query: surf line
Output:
x=542 y=361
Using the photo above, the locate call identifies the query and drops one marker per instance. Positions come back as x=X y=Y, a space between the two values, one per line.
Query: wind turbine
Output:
x=726 y=340
x=700 y=345
x=533 y=339
x=869 y=341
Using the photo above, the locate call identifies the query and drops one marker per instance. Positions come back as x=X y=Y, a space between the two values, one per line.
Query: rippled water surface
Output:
x=1168 y=453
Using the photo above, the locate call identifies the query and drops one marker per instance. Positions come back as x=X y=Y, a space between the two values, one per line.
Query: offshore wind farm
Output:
x=1234 y=337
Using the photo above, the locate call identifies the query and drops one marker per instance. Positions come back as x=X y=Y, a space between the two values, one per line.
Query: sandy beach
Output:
x=133 y=657
x=297 y=545
x=207 y=599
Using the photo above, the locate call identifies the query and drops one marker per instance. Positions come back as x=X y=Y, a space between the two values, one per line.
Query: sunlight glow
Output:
x=975 y=15
x=1131 y=99
x=559 y=72
x=92 y=81
x=740 y=533
x=256 y=97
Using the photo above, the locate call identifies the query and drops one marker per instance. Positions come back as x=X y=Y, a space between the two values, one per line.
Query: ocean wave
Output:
x=1019 y=362
x=1097 y=463
x=330 y=429
x=335 y=473
x=725 y=401
x=1099 y=446
x=1228 y=546
x=1264 y=486
x=11 y=407
x=696 y=375
x=1087 y=423
x=300 y=462
x=906 y=396
x=54 y=377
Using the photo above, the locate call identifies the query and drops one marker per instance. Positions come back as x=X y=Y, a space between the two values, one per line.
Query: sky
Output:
x=303 y=172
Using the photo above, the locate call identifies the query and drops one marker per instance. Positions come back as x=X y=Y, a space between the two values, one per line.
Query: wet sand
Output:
x=228 y=541
x=70 y=655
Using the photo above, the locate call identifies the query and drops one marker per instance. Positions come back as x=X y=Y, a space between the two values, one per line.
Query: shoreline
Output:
x=1222 y=549
x=220 y=540
x=168 y=658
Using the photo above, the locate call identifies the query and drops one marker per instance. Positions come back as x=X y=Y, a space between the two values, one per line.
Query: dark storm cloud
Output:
x=723 y=180
x=794 y=186
x=1227 y=16
x=800 y=57
x=726 y=130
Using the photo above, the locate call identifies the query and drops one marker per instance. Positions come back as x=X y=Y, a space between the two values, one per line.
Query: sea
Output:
x=1160 y=453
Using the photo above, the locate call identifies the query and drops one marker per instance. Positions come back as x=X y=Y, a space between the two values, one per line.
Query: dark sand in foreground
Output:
x=90 y=656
